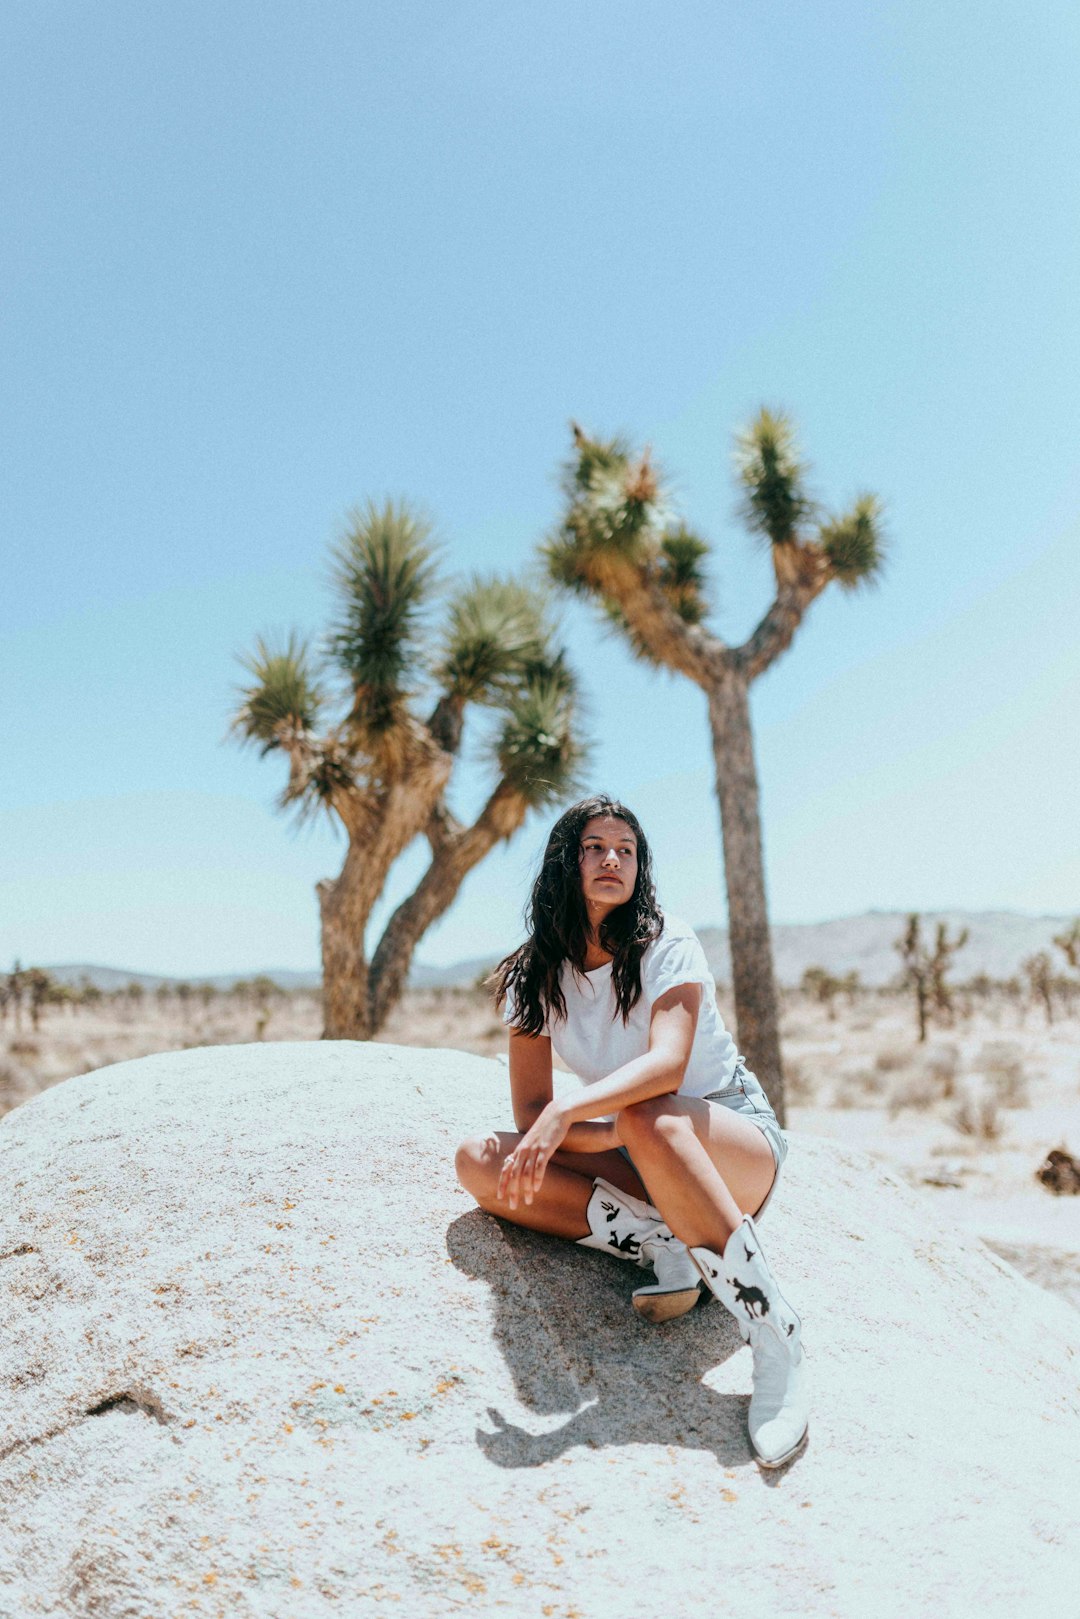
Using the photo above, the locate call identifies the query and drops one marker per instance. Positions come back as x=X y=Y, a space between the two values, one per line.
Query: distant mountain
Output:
x=110 y=978
x=462 y=973
x=999 y=941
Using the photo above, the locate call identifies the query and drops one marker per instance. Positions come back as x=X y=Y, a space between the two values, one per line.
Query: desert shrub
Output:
x=794 y=1025
x=845 y=1094
x=799 y=1086
x=977 y=1115
x=16 y=1085
x=871 y=1081
x=858 y=1087
x=892 y=1059
x=1000 y=1061
x=942 y=1064
x=916 y=1089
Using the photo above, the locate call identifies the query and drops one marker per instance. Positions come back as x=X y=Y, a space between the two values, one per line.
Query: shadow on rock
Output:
x=564 y=1323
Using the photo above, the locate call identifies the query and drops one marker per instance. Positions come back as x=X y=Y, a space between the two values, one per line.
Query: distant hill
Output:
x=999 y=941
x=110 y=978
x=462 y=973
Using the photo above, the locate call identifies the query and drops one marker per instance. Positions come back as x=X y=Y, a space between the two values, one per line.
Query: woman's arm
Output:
x=532 y=1090
x=658 y=1072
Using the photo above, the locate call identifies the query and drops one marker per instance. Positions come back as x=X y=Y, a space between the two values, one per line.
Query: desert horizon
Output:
x=999 y=941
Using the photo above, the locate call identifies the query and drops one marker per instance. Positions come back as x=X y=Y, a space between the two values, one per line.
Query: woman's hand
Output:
x=522 y=1173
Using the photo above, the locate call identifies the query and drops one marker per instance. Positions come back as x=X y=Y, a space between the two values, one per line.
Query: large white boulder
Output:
x=261 y=1357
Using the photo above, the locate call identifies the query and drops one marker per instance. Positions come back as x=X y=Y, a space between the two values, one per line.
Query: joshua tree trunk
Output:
x=748 y=918
x=344 y=908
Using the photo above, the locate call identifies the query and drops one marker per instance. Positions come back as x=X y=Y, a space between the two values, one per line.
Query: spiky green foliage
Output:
x=329 y=768
x=550 y=668
x=594 y=464
x=614 y=506
x=854 y=543
x=565 y=563
x=384 y=570
x=775 y=502
x=537 y=750
x=495 y=631
x=682 y=577
x=284 y=694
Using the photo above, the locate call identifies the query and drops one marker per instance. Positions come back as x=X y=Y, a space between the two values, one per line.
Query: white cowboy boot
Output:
x=779 y=1405
x=623 y=1225
x=678 y=1284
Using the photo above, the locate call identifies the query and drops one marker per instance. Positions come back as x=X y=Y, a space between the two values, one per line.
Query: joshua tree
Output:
x=926 y=971
x=1039 y=972
x=88 y=993
x=1069 y=943
x=263 y=990
x=43 y=990
x=14 y=990
x=818 y=984
x=381 y=768
x=619 y=543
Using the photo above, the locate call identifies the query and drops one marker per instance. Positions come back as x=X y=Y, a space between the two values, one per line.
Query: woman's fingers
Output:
x=521 y=1175
x=522 y=1171
x=502 y=1190
x=510 y=1178
x=533 y=1174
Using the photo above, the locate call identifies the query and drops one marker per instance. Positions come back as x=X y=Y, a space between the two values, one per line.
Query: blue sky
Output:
x=264 y=261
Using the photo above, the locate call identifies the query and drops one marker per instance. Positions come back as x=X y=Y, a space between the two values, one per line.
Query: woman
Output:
x=671 y=1147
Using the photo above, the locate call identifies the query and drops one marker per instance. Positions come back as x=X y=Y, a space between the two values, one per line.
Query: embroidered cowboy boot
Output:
x=630 y=1229
x=678 y=1284
x=779 y=1405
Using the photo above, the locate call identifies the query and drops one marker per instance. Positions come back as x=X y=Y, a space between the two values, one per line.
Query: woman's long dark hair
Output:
x=558 y=925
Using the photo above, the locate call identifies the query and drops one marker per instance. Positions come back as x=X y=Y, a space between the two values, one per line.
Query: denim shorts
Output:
x=744 y=1095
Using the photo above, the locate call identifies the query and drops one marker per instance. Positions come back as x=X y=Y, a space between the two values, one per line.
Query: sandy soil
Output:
x=967 y=1117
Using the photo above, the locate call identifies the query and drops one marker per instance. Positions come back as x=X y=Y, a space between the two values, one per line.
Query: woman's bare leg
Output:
x=704 y=1166
x=559 y=1206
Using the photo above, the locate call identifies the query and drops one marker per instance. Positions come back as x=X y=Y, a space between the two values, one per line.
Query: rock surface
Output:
x=260 y=1357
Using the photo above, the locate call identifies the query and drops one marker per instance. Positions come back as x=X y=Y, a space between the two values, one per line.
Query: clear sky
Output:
x=264 y=260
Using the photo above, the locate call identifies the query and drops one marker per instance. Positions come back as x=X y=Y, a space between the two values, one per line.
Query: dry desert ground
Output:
x=967 y=1117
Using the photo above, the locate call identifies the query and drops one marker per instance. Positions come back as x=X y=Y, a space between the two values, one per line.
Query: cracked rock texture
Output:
x=260 y=1357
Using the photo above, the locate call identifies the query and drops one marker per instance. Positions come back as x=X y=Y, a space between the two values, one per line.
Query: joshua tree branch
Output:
x=690 y=649
x=443 y=827
x=805 y=578
x=452 y=860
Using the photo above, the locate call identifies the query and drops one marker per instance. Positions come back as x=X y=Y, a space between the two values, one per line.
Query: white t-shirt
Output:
x=593 y=1040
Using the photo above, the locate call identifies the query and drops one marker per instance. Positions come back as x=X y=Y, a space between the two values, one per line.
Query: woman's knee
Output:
x=651 y=1120
x=476 y=1164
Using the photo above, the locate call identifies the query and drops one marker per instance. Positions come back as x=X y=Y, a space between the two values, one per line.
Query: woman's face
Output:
x=608 y=861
